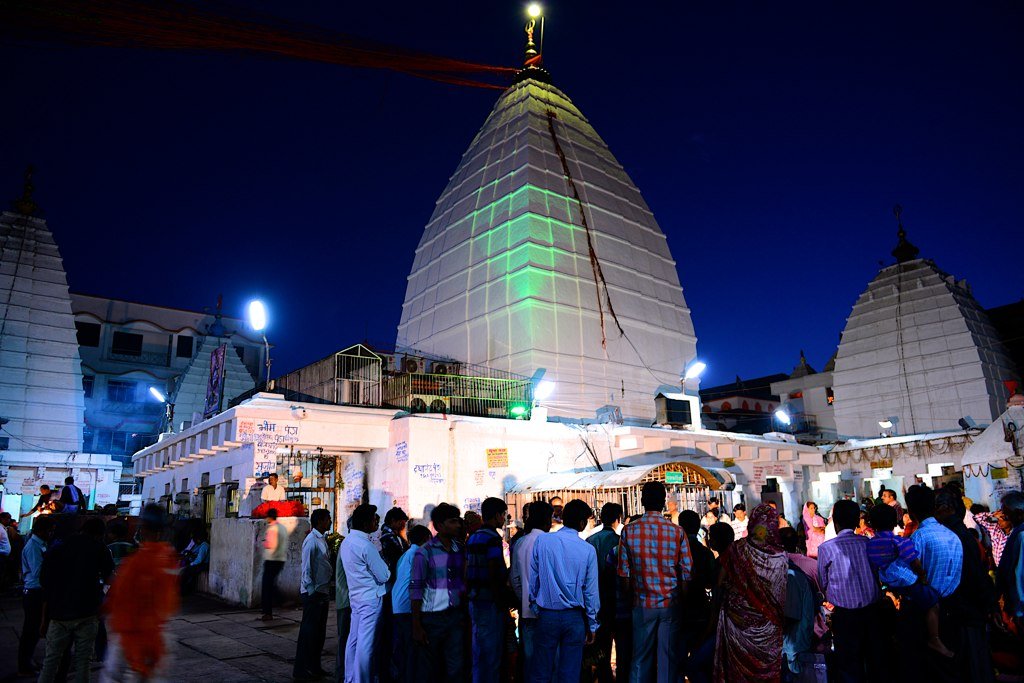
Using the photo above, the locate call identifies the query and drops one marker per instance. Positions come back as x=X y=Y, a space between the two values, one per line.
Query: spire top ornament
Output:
x=25 y=204
x=533 y=58
x=904 y=251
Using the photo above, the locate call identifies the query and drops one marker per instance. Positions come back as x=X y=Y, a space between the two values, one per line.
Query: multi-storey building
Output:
x=128 y=347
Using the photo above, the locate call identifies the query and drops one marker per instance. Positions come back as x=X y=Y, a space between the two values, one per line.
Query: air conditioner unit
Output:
x=440 y=368
x=413 y=364
x=427 y=403
x=390 y=362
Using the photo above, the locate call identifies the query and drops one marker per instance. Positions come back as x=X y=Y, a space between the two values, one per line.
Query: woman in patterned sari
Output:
x=753 y=588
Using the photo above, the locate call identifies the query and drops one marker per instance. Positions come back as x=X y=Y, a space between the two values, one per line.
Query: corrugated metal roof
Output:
x=583 y=481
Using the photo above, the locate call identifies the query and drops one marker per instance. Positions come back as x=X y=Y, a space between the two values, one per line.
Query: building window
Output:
x=829 y=396
x=746 y=405
x=88 y=334
x=88 y=383
x=127 y=344
x=726 y=406
x=757 y=406
x=120 y=391
x=184 y=349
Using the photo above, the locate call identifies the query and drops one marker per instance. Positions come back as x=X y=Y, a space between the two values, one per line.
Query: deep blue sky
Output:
x=770 y=140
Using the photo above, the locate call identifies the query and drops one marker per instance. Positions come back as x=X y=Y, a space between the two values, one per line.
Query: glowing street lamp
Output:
x=695 y=369
x=257 y=313
x=534 y=10
x=169 y=407
x=783 y=416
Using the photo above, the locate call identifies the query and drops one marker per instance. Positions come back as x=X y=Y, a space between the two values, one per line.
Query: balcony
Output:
x=159 y=358
x=148 y=408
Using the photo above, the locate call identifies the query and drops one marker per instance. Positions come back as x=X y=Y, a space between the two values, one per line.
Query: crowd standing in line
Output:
x=719 y=597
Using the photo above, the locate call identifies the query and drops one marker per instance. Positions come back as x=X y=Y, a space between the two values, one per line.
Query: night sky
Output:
x=771 y=140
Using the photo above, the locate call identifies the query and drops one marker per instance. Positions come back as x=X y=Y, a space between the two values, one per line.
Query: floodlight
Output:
x=783 y=417
x=543 y=390
x=257 y=315
x=695 y=369
x=885 y=424
x=155 y=393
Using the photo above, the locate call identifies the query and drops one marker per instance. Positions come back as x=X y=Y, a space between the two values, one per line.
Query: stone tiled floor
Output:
x=210 y=640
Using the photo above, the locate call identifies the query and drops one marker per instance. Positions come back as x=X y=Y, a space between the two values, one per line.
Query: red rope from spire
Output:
x=184 y=26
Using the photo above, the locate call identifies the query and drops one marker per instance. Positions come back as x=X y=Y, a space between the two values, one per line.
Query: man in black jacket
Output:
x=72 y=579
x=967 y=611
x=72 y=500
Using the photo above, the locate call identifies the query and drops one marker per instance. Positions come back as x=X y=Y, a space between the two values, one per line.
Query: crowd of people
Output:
x=95 y=591
x=873 y=592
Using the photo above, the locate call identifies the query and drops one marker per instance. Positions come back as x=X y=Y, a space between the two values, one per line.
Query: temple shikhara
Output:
x=542 y=257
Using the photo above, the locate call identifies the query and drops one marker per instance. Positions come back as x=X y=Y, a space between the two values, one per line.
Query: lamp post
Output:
x=169 y=407
x=783 y=416
x=258 y=321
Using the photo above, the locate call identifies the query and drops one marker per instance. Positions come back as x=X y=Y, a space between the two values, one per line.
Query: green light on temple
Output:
x=518 y=411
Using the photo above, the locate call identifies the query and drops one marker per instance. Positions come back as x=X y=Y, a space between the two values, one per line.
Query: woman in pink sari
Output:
x=748 y=645
x=814 y=528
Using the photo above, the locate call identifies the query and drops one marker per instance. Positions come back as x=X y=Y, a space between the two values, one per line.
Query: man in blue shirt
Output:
x=402 y=648
x=31 y=566
x=564 y=590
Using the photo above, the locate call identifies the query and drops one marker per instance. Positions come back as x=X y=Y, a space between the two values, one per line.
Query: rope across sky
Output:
x=183 y=26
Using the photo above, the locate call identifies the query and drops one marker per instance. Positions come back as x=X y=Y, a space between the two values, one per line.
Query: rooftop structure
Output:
x=412 y=382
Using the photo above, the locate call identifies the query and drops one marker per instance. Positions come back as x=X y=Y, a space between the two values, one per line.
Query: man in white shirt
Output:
x=740 y=521
x=538 y=523
x=275 y=551
x=366 y=573
x=273 y=491
x=314 y=589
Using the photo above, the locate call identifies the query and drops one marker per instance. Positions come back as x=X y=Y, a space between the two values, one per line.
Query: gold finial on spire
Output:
x=534 y=58
x=533 y=54
x=24 y=204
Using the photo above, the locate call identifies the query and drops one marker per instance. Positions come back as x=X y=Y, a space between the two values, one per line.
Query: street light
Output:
x=534 y=10
x=695 y=369
x=782 y=416
x=169 y=412
x=258 y=321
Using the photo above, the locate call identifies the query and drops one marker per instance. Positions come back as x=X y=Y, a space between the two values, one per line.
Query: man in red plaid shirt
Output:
x=655 y=559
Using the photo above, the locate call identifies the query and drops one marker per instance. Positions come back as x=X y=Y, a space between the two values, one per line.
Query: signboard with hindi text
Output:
x=881 y=464
x=673 y=477
x=266 y=438
x=497 y=457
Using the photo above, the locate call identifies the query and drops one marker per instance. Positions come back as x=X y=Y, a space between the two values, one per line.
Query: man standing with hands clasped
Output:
x=314 y=589
x=564 y=592
x=366 y=574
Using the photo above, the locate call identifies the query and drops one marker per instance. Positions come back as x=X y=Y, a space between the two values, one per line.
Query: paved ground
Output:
x=211 y=640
